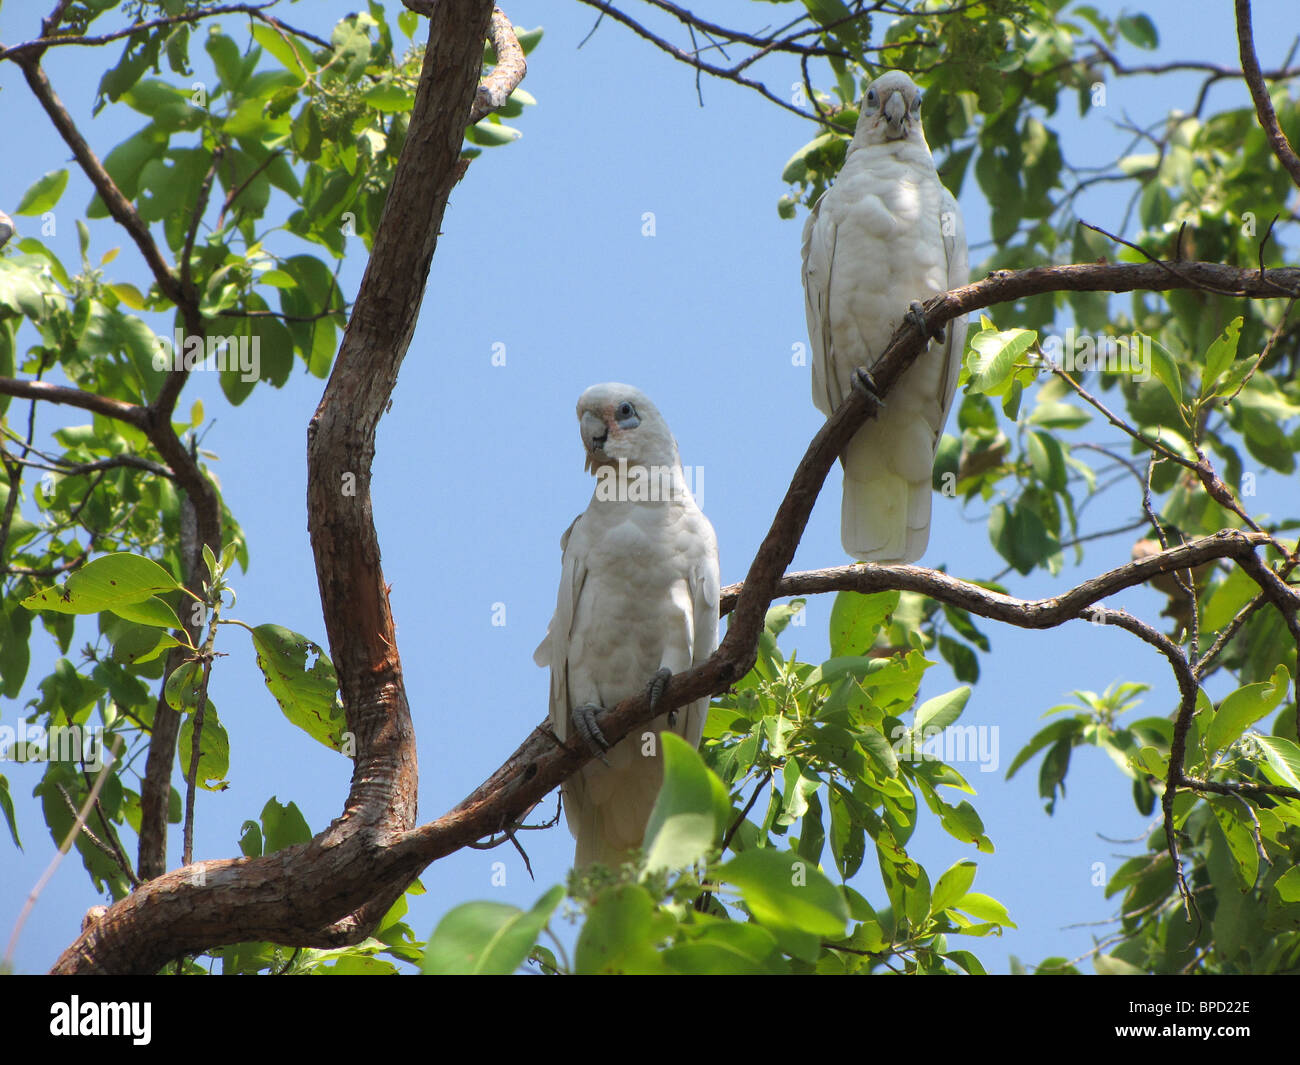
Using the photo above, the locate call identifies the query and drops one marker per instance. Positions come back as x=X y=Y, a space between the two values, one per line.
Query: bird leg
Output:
x=584 y=720
x=654 y=692
x=916 y=315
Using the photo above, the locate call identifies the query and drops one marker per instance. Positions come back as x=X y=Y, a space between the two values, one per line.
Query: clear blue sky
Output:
x=479 y=468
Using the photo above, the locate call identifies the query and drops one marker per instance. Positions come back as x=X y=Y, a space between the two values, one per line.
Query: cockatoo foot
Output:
x=655 y=691
x=584 y=720
x=916 y=315
x=866 y=384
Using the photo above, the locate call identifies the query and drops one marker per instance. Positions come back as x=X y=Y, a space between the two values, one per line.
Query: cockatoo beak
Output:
x=895 y=112
x=594 y=434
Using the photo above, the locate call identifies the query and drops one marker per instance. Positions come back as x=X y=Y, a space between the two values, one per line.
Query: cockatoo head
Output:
x=619 y=422
x=891 y=111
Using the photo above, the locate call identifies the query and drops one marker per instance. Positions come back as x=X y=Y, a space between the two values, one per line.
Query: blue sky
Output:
x=479 y=468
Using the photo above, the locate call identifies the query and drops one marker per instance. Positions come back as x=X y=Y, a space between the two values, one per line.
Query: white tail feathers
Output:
x=885 y=516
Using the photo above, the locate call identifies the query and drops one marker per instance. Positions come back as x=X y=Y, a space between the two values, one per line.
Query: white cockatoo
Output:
x=884 y=237
x=638 y=601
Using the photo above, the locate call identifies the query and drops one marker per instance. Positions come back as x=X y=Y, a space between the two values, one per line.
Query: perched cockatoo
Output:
x=884 y=237
x=638 y=601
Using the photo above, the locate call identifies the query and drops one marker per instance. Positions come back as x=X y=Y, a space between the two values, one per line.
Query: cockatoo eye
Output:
x=916 y=104
x=626 y=416
x=871 y=97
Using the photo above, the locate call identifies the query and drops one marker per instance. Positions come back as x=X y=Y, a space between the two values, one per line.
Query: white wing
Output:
x=553 y=652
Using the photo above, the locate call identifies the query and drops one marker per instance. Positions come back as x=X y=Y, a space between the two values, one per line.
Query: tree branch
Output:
x=1259 y=93
x=37 y=47
x=866 y=577
x=509 y=71
x=130 y=413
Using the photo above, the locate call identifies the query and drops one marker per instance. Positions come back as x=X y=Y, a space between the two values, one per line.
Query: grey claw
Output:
x=864 y=382
x=655 y=692
x=916 y=315
x=584 y=720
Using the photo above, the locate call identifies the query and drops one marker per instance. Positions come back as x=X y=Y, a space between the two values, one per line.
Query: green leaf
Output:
x=1287 y=886
x=725 y=948
x=1282 y=757
x=796 y=167
x=1139 y=30
x=829 y=12
x=152 y=611
x=125 y=162
x=833 y=670
x=941 y=711
x=487 y=938
x=1166 y=371
x=993 y=356
x=1244 y=707
x=43 y=194
x=688 y=814
x=7 y=805
x=389 y=98
x=293 y=57
x=103 y=584
x=780 y=615
x=306 y=694
x=490 y=134
x=282 y=826
x=787 y=894
x=1221 y=355
x=1047 y=459
x=799 y=785
x=528 y=39
x=856 y=618
x=1053 y=733
x=214 y=750
x=964 y=662
x=1109 y=965
x=952 y=886
x=1238 y=833
x=985 y=908
x=1228 y=597
x=623 y=931
x=1053 y=414
x=1021 y=536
